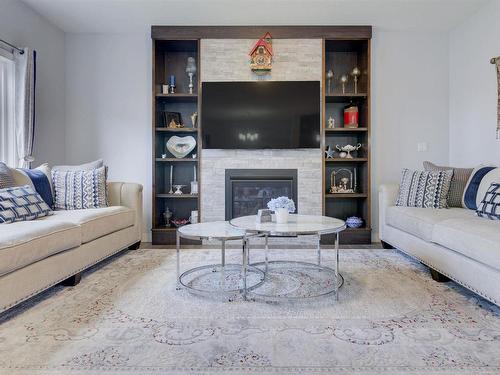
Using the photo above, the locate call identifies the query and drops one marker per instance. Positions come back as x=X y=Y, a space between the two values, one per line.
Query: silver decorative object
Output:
x=347 y=149
x=329 y=78
x=191 y=71
x=180 y=147
x=167 y=215
x=356 y=73
x=264 y=216
x=344 y=79
x=329 y=152
x=194 y=183
x=194 y=119
x=347 y=181
x=178 y=190
x=171 y=179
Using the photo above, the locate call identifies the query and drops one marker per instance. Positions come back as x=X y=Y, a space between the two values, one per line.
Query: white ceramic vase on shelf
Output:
x=281 y=215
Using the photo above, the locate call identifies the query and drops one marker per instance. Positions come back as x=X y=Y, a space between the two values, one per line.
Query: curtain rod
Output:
x=12 y=46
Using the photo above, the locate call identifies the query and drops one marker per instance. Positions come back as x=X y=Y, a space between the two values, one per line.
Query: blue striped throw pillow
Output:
x=490 y=204
x=21 y=203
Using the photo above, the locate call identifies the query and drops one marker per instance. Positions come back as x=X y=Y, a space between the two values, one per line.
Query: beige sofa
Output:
x=35 y=255
x=453 y=242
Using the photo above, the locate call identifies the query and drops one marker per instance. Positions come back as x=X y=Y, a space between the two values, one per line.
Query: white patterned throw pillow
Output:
x=21 y=203
x=424 y=189
x=76 y=190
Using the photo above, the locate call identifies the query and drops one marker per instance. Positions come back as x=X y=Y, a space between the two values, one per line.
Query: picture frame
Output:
x=168 y=117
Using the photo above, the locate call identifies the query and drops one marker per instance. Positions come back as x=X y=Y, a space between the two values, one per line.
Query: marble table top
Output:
x=221 y=230
x=297 y=224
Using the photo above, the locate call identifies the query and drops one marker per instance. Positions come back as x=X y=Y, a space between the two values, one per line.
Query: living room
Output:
x=275 y=187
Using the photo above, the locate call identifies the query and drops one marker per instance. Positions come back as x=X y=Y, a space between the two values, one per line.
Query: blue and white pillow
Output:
x=21 y=203
x=477 y=186
x=490 y=204
x=38 y=178
x=77 y=190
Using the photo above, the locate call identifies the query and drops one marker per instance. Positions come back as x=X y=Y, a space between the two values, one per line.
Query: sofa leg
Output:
x=439 y=277
x=135 y=246
x=385 y=245
x=73 y=280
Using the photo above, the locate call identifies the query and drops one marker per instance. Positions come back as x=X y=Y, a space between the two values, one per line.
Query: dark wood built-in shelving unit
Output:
x=344 y=47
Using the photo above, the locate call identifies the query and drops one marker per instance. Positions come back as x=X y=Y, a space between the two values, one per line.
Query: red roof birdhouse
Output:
x=261 y=55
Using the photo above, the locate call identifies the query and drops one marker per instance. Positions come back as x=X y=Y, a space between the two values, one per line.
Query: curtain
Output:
x=8 y=146
x=497 y=63
x=24 y=124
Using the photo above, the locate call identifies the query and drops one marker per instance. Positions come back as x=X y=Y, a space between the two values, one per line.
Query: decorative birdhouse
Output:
x=261 y=55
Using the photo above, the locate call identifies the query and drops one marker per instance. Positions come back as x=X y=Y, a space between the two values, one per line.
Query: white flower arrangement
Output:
x=281 y=202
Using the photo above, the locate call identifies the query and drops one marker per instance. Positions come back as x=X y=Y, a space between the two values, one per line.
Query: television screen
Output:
x=261 y=115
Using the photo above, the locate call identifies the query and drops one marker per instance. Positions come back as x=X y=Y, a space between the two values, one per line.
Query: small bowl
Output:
x=179 y=222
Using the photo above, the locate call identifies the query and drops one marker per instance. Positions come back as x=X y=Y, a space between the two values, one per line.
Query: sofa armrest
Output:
x=129 y=195
x=386 y=197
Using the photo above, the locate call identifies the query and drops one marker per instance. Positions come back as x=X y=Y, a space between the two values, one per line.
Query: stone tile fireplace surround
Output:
x=227 y=60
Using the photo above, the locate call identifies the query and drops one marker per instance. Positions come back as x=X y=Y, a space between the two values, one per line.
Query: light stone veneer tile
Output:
x=228 y=60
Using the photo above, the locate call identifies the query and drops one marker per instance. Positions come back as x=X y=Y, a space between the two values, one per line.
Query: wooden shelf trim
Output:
x=178 y=130
x=178 y=196
x=346 y=195
x=346 y=130
x=176 y=159
x=176 y=95
x=346 y=160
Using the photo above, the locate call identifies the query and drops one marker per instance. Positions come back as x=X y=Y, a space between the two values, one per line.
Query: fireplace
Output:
x=248 y=190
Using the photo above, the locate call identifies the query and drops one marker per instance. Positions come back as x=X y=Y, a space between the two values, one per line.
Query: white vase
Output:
x=281 y=216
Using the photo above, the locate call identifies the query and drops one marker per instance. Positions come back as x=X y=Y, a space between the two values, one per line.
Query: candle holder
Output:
x=356 y=73
x=344 y=79
x=329 y=78
x=172 y=84
x=191 y=71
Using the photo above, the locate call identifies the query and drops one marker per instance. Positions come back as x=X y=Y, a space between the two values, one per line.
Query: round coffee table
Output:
x=223 y=278
x=298 y=225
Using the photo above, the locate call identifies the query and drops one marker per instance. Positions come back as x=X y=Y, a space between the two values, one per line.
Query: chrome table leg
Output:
x=178 y=251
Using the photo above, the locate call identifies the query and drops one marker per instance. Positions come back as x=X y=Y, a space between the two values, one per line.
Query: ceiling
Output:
x=124 y=16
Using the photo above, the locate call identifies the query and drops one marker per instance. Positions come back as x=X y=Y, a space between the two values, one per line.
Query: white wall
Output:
x=23 y=27
x=473 y=88
x=108 y=106
x=409 y=104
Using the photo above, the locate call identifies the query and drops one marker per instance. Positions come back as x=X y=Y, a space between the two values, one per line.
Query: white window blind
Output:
x=8 y=152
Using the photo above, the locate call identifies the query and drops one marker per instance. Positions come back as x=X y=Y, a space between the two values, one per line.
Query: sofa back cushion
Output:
x=21 y=203
x=76 y=190
x=425 y=189
x=458 y=182
x=479 y=182
x=490 y=204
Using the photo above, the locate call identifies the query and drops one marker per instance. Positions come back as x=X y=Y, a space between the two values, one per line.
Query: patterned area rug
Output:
x=127 y=316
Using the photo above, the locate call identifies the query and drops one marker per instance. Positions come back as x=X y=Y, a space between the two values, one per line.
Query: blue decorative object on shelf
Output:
x=354 y=222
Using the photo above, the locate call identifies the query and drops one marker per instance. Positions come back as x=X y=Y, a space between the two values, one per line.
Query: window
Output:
x=7 y=106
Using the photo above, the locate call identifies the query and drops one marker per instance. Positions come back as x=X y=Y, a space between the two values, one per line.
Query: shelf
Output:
x=346 y=195
x=177 y=95
x=178 y=196
x=178 y=130
x=164 y=229
x=346 y=160
x=179 y=98
x=344 y=98
x=356 y=229
x=176 y=159
x=346 y=130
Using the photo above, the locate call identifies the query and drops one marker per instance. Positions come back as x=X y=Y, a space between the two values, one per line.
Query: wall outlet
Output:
x=422 y=146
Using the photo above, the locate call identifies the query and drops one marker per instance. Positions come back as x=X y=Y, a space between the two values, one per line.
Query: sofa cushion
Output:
x=420 y=222
x=26 y=242
x=97 y=222
x=475 y=237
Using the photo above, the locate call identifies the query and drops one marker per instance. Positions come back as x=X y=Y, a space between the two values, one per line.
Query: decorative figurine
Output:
x=194 y=119
x=331 y=122
x=172 y=84
x=191 y=71
x=178 y=190
x=344 y=79
x=348 y=181
x=347 y=149
x=329 y=152
x=261 y=55
x=167 y=215
x=329 y=78
x=194 y=183
x=356 y=73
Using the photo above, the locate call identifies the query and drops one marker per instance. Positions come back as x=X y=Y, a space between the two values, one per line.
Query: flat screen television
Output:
x=261 y=115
